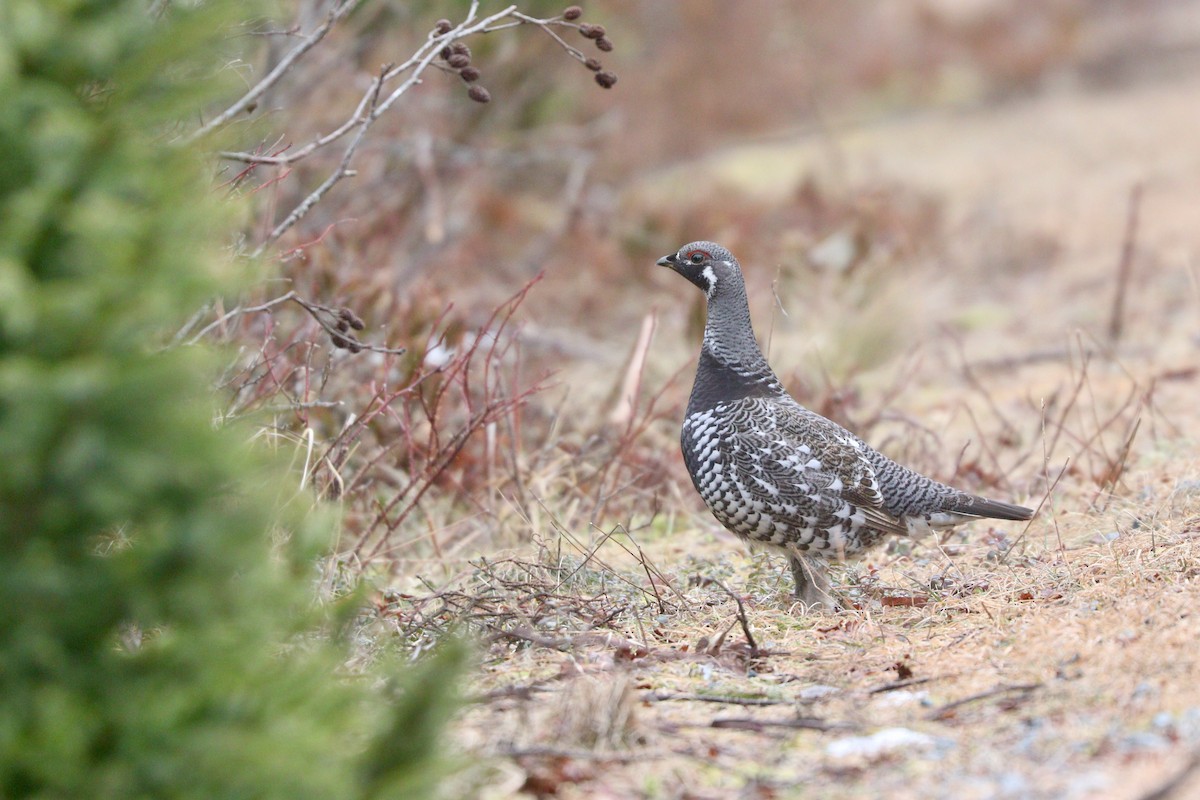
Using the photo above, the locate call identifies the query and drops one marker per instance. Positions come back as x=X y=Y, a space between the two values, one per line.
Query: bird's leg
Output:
x=812 y=582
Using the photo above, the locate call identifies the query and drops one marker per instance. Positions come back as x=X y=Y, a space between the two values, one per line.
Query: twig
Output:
x=591 y=556
x=976 y=384
x=759 y=725
x=652 y=572
x=1116 y=320
x=339 y=11
x=1117 y=469
x=1171 y=788
x=1053 y=518
x=421 y=60
x=580 y=755
x=659 y=697
x=574 y=52
x=622 y=413
x=1004 y=363
x=342 y=170
x=947 y=710
x=526 y=635
x=662 y=608
x=741 y=615
x=1049 y=491
x=519 y=691
x=237 y=312
x=892 y=686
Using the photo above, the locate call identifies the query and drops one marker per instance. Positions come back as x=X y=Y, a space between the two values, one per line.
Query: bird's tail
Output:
x=990 y=509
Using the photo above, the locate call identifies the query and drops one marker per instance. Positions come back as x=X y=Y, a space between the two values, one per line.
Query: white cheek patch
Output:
x=711 y=277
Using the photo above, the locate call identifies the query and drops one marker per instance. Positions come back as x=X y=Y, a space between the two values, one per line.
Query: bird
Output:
x=777 y=474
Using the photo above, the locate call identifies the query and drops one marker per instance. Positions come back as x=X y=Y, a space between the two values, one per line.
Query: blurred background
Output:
x=943 y=207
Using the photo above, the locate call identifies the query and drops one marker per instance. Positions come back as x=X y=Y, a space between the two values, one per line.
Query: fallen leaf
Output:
x=911 y=600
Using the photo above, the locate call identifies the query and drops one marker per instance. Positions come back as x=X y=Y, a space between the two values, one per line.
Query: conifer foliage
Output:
x=153 y=641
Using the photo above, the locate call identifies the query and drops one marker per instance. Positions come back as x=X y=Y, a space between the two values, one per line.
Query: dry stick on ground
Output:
x=580 y=755
x=741 y=614
x=588 y=639
x=519 y=602
x=1114 y=466
x=891 y=686
x=1179 y=780
x=1116 y=320
x=662 y=609
x=604 y=537
x=948 y=710
x=659 y=697
x=802 y=723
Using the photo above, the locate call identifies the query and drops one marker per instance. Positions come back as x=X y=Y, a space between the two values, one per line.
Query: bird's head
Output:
x=706 y=264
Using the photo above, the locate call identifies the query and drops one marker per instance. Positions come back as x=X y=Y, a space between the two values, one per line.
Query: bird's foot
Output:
x=812 y=583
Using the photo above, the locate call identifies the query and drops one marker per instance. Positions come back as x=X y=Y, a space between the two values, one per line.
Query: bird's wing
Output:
x=803 y=461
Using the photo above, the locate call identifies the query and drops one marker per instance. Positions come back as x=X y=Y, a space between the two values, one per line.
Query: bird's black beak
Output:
x=667 y=261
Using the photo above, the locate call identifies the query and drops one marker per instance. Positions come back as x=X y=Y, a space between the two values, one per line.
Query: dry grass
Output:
x=1059 y=669
x=968 y=285
x=1054 y=660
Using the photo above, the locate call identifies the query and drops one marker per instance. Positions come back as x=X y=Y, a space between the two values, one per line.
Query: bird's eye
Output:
x=696 y=257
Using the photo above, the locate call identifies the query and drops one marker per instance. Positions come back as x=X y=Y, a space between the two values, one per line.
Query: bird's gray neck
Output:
x=732 y=366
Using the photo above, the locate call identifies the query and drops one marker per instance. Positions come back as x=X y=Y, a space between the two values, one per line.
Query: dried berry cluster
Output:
x=458 y=58
x=347 y=319
x=599 y=35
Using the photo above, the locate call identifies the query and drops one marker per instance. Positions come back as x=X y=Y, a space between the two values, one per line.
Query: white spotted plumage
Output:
x=761 y=468
x=776 y=473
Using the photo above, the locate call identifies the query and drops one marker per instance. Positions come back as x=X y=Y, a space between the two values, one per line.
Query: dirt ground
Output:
x=1054 y=660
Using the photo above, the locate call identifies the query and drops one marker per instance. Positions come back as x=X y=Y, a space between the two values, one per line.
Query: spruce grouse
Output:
x=775 y=473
